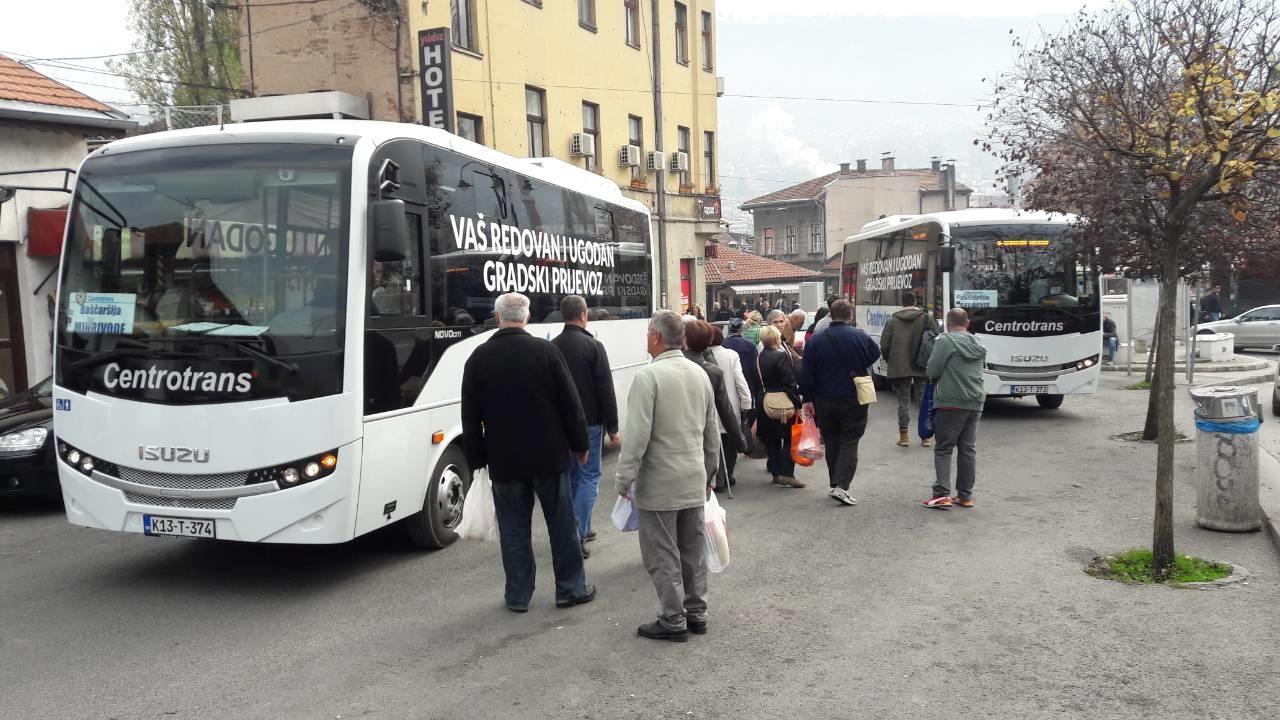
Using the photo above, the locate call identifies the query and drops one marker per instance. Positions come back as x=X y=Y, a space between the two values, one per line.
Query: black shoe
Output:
x=697 y=627
x=583 y=599
x=590 y=536
x=518 y=608
x=657 y=631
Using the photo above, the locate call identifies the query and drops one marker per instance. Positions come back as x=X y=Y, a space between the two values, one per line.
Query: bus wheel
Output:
x=433 y=525
x=1049 y=402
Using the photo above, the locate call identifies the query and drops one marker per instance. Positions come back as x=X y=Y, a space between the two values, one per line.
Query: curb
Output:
x=1269 y=495
x=1244 y=380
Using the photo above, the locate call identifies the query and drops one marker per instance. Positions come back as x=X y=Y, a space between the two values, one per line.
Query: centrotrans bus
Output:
x=261 y=328
x=1032 y=298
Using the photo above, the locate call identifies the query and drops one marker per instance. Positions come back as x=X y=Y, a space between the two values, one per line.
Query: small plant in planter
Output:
x=1134 y=567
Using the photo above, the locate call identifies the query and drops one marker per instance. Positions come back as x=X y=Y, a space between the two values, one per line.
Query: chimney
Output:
x=935 y=163
x=886 y=160
x=844 y=168
x=949 y=184
x=862 y=167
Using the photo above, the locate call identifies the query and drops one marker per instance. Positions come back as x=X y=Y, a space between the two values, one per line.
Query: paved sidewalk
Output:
x=886 y=610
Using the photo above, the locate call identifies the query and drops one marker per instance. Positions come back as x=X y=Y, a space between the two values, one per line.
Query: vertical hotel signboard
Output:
x=435 y=55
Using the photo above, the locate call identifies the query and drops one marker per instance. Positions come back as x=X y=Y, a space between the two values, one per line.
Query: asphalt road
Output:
x=886 y=610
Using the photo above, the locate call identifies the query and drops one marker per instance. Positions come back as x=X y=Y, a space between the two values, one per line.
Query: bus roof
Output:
x=958 y=218
x=549 y=170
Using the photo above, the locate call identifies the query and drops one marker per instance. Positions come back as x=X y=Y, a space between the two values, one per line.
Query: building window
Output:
x=816 y=246
x=535 y=112
x=709 y=160
x=464 y=24
x=471 y=127
x=790 y=245
x=587 y=14
x=682 y=33
x=682 y=145
x=708 y=53
x=632 y=9
x=591 y=126
x=766 y=243
x=635 y=136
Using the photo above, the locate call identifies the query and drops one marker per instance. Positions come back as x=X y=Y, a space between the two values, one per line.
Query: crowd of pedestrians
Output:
x=539 y=414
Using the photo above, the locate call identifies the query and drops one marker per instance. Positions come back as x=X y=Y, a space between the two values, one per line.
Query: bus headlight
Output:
x=289 y=476
x=297 y=472
x=1087 y=363
x=76 y=459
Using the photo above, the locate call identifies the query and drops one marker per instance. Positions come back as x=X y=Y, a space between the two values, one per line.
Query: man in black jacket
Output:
x=521 y=417
x=589 y=366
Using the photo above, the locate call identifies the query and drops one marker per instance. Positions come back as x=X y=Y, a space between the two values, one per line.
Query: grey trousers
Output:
x=906 y=389
x=956 y=429
x=673 y=548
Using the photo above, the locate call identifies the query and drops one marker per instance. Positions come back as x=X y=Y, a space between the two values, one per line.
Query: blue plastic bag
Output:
x=925 y=423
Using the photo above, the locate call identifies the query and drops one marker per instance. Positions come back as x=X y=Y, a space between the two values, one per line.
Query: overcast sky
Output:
x=918 y=50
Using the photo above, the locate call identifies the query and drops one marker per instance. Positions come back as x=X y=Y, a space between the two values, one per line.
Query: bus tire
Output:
x=432 y=526
x=1049 y=402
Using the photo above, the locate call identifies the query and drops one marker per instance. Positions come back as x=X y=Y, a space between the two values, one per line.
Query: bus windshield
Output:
x=235 y=253
x=232 y=241
x=1020 y=266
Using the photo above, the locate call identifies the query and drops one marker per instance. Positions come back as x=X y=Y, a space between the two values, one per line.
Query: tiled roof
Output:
x=804 y=191
x=748 y=267
x=930 y=181
x=21 y=83
x=833 y=263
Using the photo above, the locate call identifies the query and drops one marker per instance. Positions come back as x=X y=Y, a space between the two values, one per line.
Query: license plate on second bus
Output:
x=1030 y=389
x=178 y=527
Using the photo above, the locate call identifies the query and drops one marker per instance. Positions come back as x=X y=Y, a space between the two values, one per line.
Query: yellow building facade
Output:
x=529 y=75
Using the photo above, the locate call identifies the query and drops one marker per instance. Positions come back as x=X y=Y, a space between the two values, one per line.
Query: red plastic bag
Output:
x=806 y=442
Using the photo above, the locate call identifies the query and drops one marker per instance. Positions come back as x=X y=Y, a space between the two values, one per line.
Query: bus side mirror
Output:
x=946 y=258
x=390 y=231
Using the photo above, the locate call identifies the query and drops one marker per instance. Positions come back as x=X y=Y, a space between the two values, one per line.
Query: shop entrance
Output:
x=13 y=355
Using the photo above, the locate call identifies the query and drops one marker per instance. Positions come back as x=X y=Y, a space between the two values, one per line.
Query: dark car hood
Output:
x=23 y=411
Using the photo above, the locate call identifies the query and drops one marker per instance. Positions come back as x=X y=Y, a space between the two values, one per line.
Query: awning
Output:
x=767 y=288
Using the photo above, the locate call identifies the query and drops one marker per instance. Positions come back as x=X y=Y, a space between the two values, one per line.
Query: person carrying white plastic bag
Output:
x=717 y=535
x=625 y=516
x=479 y=517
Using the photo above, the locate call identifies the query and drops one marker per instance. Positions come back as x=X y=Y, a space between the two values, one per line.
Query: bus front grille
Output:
x=182 y=482
x=188 y=503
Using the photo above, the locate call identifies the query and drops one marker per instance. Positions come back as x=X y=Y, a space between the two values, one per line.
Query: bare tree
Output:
x=1159 y=122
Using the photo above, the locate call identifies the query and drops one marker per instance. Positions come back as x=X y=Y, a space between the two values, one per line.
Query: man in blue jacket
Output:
x=832 y=360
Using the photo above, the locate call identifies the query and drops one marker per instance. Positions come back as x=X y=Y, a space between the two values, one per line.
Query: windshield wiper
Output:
x=115 y=352
x=230 y=341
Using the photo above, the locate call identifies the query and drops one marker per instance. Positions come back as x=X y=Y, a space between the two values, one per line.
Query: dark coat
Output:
x=724 y=407
x=777 y=374
x=837 y=355
x=747 y=351
x=520 y=411
x=592 y=375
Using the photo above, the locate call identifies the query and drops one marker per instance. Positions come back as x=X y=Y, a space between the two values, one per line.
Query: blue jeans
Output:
x=514 y=505
x=1112 y=345
x=585 y=479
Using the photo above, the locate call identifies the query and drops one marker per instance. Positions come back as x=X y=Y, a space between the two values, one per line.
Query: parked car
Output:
x=1256 y=328
x=27 y=465
x=1275 y=389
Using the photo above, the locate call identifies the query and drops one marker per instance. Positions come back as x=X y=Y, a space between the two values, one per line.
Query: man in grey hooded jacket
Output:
x=958 y=396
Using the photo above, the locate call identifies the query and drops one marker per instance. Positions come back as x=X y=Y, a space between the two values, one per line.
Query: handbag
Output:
x=924 y=425
x=866 y=388
x=926 y=348
x=777 y=405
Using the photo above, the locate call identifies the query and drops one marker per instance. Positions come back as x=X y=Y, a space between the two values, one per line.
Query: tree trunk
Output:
x=1150 y=430
x=1162 y=533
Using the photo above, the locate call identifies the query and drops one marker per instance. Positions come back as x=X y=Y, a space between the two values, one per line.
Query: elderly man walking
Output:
x=671 y=454
x=958 y=397
x=900 y=343
x=589 y=365
x=521 y=417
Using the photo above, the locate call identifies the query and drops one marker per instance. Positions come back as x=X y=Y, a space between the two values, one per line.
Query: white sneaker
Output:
x=841 y=495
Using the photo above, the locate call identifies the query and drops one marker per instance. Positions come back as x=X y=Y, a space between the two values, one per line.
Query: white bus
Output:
x=1033 y=300
x=261 y=329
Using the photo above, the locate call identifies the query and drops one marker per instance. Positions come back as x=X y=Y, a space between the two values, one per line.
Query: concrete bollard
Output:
x=1227 y=446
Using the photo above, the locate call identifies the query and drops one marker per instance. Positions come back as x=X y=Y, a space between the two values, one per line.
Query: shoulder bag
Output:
x=777 y=405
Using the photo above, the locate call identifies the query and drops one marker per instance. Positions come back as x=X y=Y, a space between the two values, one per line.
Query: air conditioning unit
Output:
x=582 y=145
x=629 y=156
x=680 y=162
x=655 y=161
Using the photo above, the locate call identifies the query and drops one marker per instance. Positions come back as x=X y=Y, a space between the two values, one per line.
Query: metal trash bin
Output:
x=1227 y=421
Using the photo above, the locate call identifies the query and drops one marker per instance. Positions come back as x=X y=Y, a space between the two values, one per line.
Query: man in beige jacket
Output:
x=671 y=454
